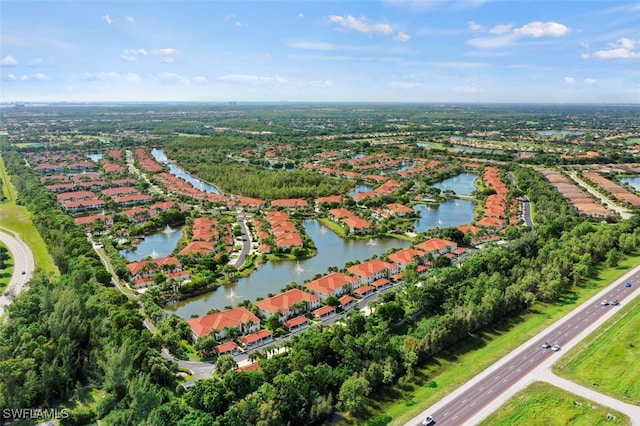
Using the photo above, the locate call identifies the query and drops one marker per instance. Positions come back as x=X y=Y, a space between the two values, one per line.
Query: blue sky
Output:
x=346 y=51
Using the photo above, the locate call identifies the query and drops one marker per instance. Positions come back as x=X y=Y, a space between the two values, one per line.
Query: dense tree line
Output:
x=207 y=158
x=67 y=336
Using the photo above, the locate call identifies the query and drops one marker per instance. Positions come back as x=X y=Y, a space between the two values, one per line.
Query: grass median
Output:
x=445 y=373
x=544 y=404
x=608 y=361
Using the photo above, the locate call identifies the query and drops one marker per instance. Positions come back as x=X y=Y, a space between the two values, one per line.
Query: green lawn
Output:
x=609 y=360
x=17 y=219
x=453 y=368
x=544 y=404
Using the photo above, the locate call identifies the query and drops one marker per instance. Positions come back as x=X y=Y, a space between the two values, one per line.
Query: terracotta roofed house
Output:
x=371 y=270
x=289 y=303
x=437 y=246
x=219 y=322
x=334 y=284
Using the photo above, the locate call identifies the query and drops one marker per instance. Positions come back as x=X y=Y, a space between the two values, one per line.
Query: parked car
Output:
x=428 y=421
x=546 y=345
x=555 y=347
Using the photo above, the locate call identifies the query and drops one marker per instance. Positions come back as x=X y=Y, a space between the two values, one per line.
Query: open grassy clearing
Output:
x=544 y=404
x=609 y=360
x=453 y=368
x=17 y=219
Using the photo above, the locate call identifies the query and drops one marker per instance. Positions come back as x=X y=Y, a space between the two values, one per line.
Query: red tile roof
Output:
x=284 y=301
x=203 y=326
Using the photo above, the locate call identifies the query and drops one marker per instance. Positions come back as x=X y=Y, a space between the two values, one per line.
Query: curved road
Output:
x=473 y=401
x=23 y=267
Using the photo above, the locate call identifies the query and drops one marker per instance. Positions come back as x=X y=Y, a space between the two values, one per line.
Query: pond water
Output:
x=634 y=182
x=156 y=245
x=462 y=184
x=453 y=212
x=161 y=157
x=275 y=275
x=95 y=157
x=361 y=188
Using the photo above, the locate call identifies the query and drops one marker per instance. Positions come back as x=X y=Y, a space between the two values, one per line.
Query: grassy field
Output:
x=452 y=368
x=17 y=219
x=609 y=361
x=544 y=404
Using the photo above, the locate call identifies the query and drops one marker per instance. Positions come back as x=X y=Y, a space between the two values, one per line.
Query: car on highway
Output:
x=428 y=421
x=555 y=347
x=615 y=302
x=627 y=285
x=605 y=302
x=546 y=345
x=23 y=272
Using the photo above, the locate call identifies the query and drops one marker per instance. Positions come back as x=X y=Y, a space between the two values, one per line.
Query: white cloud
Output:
x=542 y=29
x=36 y=62
x=34 y=77
x=459 y=64
x=166 y=54
x=309 y=45
x=10 y=77
x=404 y=85
x=590 y=81
x=200 y=80
x=106 y=19
x=623 y=48
x=130 y=19
x=492 y=42
x=402 y=37
x=8 y=61
x=300 y=15
x=321 y=83
x=505 y=35
x=361 y=25
x=569 y=80
x=112 y=76
x=132 y=54
x=251 y=79
x=474 y=26
x=501 y=29
x=171 y=78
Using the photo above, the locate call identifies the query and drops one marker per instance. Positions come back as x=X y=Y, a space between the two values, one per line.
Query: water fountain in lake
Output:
x=372 y=242
x=232 y=296
x=154 y=254
x=298 y=269
x=168 y=230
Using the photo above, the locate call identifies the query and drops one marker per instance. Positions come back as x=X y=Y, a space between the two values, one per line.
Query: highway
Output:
x=495 y=385
x=22 y=262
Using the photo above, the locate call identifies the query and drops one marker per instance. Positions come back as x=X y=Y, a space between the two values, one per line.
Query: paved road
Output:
x=473 y=401
x=611 y=205
x=246 y=243
x=23 y=267
x=526 y=211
